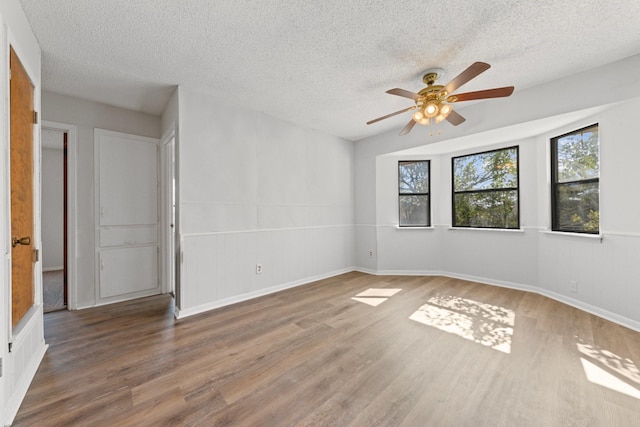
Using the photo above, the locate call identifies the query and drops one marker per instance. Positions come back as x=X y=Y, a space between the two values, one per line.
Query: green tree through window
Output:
x=575 y=173
x=485 y=189
x=413 y=189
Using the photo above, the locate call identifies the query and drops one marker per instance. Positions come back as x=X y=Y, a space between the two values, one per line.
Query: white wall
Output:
x=169 y=118
x=52 y=206
x=20 y=364
x=606 y=271
x=532 y=258
x=258 y=190
x=87 y=116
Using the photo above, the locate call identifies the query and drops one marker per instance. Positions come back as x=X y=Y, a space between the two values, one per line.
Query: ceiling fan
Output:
x=435 y=101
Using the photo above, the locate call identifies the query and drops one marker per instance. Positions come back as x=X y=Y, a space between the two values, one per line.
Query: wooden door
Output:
x=21 y=175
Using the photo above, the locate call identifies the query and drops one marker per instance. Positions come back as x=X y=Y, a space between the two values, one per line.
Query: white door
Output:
x=126 y=216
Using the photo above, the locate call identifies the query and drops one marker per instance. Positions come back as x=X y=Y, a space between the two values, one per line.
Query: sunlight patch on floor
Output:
x=603 y=378
x=374 y=302
x=485 y=324
x=607 y=369
x=375 y=296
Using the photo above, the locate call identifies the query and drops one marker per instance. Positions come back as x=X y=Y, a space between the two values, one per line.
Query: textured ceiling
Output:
x=321 y=64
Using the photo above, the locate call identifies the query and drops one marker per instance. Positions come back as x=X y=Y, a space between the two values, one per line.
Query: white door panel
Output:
x=128 y=181
x=127 y=236
x=126 y=216
x=128 y=271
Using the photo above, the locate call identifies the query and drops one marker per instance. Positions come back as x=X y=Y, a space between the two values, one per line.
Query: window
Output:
x=575 y=181
x=485 y=189
x=413 y=193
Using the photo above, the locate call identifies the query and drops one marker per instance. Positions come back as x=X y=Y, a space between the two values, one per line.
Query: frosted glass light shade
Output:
x=431 y=110
x=445 y=109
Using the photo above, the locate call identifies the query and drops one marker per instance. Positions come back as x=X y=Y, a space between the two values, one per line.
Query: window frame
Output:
x=553 y=146
x=427 y=194
x=494 y=190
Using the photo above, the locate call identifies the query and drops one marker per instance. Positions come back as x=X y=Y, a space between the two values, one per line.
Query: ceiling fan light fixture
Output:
x=435 y=101
x=431 y=109
x=445 y=109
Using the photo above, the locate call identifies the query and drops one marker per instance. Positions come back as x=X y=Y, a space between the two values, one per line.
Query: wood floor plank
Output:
x=441 y=351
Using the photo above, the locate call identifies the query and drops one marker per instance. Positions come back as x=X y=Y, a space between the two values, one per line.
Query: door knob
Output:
x=22 y=241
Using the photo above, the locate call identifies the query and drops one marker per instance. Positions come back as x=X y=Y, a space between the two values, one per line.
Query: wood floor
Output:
x=439 y=352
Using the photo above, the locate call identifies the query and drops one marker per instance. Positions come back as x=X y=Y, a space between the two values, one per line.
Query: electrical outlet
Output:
x=258 y=268
x=573 y=286
x=370 y=253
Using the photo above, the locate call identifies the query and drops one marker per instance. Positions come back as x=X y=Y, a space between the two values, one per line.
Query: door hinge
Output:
x=36 y=255
x=35 y=117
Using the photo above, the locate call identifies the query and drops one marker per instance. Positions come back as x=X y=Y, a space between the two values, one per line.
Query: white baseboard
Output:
x=499 y=283
x=596 y=311
x=364 y=270
x=409 y=273
x=592 y=309
x=180 y=314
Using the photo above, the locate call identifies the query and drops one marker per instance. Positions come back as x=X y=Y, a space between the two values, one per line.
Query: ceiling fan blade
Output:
x=391 y=115
x=405 y=130
x=474 y=70
x=499 y=92
x=405 y=93
x=455 y=118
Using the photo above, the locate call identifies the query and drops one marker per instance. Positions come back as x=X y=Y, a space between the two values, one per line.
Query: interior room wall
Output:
x=423 y=255
x=52 y=206
x=258 y=190
x=508 y=257
x=169 y=118
x=531 y=258
x=605 y=270
x=87 y=116
x=366 y=248
x=20 y=360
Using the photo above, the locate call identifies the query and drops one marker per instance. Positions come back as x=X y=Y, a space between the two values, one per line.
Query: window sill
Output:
x=501 y=230
x=599 y=236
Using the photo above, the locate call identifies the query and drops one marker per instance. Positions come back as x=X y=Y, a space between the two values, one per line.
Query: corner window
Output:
x=485 y=189
x=575 y=181
x=413 y=193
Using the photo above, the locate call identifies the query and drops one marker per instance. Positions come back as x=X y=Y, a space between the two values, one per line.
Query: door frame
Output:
x=167 y=234
x=72 y=172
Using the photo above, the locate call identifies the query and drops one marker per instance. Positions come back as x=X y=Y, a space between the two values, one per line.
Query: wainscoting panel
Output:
x=605 y=271
x=221 y=268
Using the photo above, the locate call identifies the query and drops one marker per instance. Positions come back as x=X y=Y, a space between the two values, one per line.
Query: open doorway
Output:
x=54 y=219
x=66 y=136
